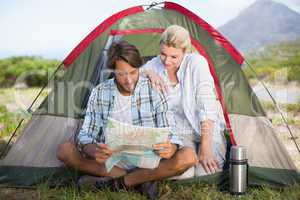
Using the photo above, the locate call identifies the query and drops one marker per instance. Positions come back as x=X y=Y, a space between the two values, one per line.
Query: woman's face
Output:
x=170 y=56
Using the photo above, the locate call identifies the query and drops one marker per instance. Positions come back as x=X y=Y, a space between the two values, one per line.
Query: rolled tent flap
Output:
x=33 y=157
x=269 y=161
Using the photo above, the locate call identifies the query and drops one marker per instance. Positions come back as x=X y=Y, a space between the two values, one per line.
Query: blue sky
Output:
x=52 y=28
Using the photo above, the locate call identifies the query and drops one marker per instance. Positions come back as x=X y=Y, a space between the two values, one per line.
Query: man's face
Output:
x=126 y=77
x=170 y=56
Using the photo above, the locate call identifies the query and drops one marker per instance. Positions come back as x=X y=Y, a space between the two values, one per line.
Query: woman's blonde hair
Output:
x=177 y=37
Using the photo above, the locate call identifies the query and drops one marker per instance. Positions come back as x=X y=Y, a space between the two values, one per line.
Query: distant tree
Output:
x=268 y=60
x=32 y=70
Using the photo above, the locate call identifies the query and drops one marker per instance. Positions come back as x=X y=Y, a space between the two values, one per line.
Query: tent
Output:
x=32 y=158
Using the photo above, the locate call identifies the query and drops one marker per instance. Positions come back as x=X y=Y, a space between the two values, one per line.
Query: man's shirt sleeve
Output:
x=92 y=125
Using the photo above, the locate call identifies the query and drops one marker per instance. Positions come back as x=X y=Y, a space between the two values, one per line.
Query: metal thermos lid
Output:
x=238 y=153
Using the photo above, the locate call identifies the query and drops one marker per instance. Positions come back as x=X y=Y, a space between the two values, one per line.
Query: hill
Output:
x=262 y=23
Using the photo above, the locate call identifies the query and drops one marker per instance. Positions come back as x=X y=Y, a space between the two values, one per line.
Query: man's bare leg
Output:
x=181 y=161
x=69 y=154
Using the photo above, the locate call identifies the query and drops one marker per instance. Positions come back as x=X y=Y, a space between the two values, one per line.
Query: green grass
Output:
x=13 y=105
x=169 y=191
x=166 y=191
x=20 y=98
x=268 y=105
x=286 y=107
x=8 y=121
x=292 y=107
x=289 y=109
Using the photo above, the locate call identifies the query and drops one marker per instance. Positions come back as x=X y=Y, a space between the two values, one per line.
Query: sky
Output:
x=52 y=28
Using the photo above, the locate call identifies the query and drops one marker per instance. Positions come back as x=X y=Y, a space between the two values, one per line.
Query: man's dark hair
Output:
x=122 y=50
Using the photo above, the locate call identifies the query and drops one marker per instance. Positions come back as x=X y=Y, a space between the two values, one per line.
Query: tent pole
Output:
x=40 y=92
x=28 y=110
x=11 y=137
x=276 y=105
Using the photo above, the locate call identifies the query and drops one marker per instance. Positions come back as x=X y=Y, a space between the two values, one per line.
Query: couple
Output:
x=196 y=144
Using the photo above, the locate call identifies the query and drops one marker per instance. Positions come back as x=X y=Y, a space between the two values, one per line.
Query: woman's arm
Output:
x=206 y=102
x=205 y=153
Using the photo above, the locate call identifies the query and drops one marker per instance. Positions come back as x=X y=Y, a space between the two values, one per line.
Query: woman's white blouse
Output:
x=179 y=122
x=198 y=101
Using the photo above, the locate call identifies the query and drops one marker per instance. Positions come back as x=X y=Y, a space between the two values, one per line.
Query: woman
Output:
x=191 y=97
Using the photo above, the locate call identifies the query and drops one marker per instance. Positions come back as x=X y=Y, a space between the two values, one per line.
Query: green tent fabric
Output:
x=32 y=159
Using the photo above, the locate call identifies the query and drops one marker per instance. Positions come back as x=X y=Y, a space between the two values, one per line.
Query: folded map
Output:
x=133 y=144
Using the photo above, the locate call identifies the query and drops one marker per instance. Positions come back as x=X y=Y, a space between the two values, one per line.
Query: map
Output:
x=133 y=144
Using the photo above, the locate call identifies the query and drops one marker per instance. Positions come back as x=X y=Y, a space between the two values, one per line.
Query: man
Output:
x=129 y=98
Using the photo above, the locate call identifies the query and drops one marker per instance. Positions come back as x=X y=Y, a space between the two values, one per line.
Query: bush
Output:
x=292 y=107
x=268 y=105
x=272 y=59
x=33 y=71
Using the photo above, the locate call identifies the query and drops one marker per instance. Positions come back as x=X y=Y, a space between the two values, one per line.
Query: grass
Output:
x=8 y=121
x=166 y=191
x=13 y=106
x=295 y=108
x=20 y=99
x=276 y=121
x=286 y=107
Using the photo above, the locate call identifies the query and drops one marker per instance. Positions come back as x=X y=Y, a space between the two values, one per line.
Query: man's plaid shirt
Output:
x=148 y=108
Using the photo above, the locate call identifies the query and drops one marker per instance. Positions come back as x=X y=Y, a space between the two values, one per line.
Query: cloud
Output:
x=293 y=4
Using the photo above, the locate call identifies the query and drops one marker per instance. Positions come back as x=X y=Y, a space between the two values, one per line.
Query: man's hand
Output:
x=207 y=159
x=165 y=150
x=102 y=153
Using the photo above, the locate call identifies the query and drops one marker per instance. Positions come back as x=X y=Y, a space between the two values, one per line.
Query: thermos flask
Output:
x=238 y=170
